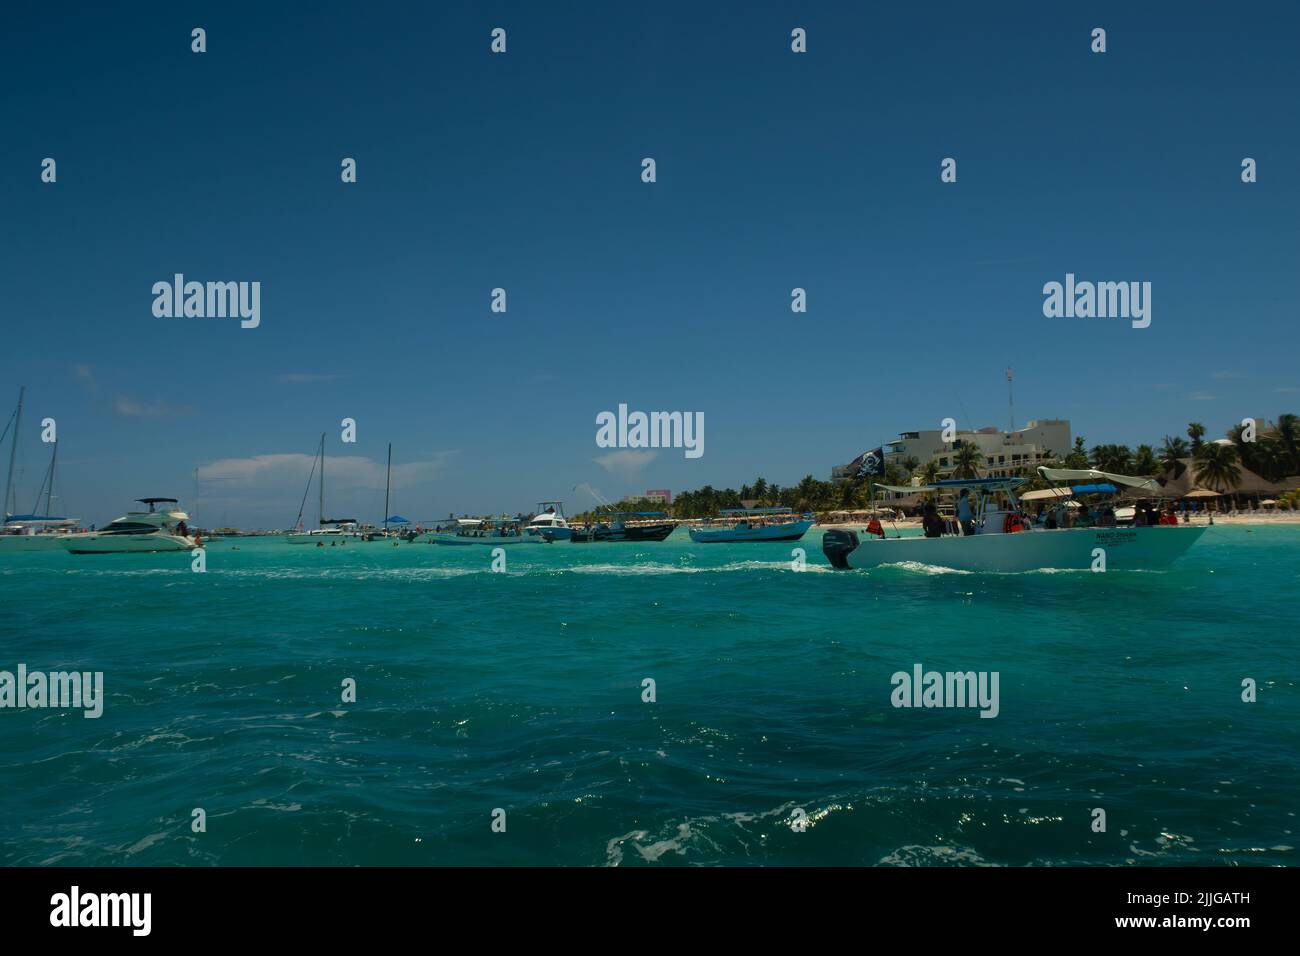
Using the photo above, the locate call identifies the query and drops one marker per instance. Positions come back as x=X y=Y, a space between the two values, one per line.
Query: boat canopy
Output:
x=1105 y=488
x=1091 y=474
x=757 y=511
x=34 y=518
x=949 y=484
x=631 y=514
x=397 y=519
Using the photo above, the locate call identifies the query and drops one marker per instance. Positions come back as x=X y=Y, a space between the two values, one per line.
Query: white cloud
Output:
x=626 y=464
x=133 y=408
x=343 y=473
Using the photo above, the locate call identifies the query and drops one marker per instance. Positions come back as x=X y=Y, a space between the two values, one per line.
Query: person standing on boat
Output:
x=964 y=515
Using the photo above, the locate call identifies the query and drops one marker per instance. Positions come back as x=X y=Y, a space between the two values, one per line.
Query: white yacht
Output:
x=549 y=522
x=158 y=529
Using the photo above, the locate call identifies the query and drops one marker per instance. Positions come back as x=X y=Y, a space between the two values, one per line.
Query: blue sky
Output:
x=522 y=171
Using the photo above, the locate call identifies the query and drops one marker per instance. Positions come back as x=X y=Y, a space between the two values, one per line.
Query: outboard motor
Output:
x=836 y=545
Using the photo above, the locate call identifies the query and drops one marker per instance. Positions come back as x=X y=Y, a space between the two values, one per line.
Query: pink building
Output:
x=663 y=495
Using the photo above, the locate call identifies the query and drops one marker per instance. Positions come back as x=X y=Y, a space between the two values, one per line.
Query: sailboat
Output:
x=31 y=532
x=332 y=530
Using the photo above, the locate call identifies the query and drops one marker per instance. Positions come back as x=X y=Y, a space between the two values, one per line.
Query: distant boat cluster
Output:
x=987 y=527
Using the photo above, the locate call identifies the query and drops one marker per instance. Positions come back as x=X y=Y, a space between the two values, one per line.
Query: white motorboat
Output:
x=549 y=522
x=158 y=529
x=1005 y=541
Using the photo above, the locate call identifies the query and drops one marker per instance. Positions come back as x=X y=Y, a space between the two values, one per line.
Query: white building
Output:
x=1004 y=453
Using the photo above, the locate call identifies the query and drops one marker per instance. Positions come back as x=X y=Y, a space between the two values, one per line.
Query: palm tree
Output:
x=1144 y=463
x=1171 y=451
x=967 y=461
x=930 y=472
x=760 y=488
x=1195 y=431
x=1114 y=458
x=1078 y=458
x=1216 y=466
x=910 y=463
x=1288 y=432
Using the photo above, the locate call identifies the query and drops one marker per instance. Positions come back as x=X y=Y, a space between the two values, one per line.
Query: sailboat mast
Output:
x=320 y=514
x=388 y=484
x=49 y=492
x=13 y=449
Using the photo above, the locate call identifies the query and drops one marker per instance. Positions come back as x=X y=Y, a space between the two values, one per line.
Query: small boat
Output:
x=328 y=530
x=490 y=531
x=1005 y=541
x=549 y=522
x=142 y=532
x=618 y=528
x=754 y=524
x=31 y=532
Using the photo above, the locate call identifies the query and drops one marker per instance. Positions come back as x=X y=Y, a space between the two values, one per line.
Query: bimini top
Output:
x=1105 y=488
x=756 y=511
x=950 y=484
x=631 y=514
x=1092 y=474
x=156 y=501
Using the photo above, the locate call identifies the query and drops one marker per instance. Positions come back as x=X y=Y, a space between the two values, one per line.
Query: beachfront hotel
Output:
x=1005 y=452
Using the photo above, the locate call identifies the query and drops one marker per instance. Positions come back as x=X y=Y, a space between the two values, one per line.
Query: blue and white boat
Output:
x=490 y=531
x=754 y=524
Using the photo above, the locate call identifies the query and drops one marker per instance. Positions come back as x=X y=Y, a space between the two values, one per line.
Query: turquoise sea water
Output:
x=523 y=691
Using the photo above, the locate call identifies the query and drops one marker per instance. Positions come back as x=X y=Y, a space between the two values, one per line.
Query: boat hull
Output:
x=1126 y=549
x=650 y=532
x=790 y=531
x=465 y=540
x=93 y=542
x=31 y=542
